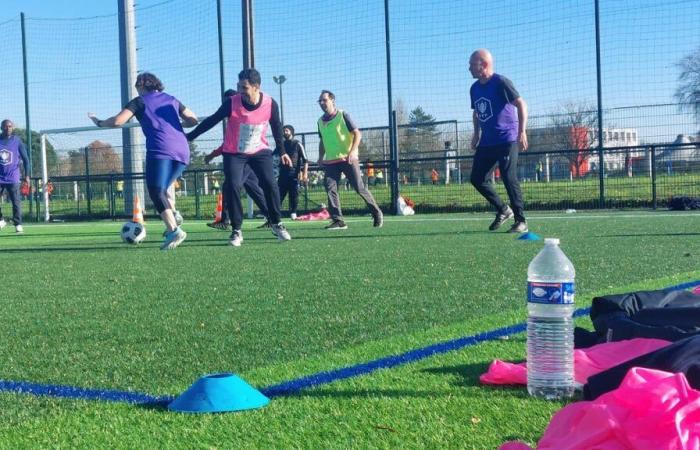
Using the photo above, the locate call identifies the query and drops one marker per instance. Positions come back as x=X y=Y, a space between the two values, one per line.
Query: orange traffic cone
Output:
x=219 y=208
x=138 y=212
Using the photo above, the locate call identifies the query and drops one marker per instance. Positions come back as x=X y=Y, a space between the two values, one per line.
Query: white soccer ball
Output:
x=133 y=232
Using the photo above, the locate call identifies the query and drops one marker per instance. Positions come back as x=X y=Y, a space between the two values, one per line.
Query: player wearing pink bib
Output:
x=250 y=114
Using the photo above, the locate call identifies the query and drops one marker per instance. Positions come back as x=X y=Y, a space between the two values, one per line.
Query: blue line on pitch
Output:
x=292 y=386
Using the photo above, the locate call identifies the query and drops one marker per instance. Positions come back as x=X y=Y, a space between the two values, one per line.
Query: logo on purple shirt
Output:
x=5 y=157
x=483 y=109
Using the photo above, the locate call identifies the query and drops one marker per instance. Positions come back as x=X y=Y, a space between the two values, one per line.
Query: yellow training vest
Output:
x=336 y=138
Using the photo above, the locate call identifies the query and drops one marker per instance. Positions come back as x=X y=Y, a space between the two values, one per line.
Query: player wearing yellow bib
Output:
x=338 y=154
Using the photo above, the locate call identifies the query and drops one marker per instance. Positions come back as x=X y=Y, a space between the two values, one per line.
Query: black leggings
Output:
x=506 y=156
x=261 y=164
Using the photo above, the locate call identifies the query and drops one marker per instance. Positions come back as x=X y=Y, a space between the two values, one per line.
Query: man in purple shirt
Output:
x=11 y=152
x=500 y=124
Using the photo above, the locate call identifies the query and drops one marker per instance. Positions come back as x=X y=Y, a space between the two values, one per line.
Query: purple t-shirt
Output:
x=498 y=118
x=159 y=116
x=10 y=155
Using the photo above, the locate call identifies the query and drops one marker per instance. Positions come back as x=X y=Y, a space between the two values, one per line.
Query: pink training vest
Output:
x=246 y=130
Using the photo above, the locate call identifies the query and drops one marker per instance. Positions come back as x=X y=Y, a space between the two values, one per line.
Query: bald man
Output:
x=500 y=123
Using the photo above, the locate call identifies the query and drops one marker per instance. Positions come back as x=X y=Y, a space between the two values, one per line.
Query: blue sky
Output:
x=546 y=47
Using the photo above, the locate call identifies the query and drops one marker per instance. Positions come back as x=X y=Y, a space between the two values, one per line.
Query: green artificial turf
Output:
x=80 y=308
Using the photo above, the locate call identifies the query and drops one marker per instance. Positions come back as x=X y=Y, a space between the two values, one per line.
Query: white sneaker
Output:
x=178 y=217
x=19 y=229
x=281 y=232
x=236 y=238
x=173 y=239
x=3 y=224
x=293 y=216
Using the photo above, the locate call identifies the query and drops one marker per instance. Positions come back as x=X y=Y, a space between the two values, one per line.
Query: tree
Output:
x=421 y=134
x=688 y=91
x=103 y=158
x=571 y=130
x=51 y=156
x=196 y=157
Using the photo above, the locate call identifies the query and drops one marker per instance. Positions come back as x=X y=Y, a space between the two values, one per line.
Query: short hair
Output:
x=290 y=128
x=229 y=93
x=251 y=75
x=330 y=94
x=2 y=124
x=149 y=82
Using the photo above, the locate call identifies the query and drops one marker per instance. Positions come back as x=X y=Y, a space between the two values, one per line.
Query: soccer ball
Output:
x=133 y=232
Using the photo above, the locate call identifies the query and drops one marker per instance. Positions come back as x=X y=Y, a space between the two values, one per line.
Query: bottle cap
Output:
x=554 y=241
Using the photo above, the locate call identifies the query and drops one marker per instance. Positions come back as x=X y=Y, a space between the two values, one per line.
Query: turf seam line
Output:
x=293 y=386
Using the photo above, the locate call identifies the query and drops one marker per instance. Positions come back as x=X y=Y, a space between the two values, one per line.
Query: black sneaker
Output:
x=337 y=224
x=501 y=217
x=265 y=225
x=518 y=227
x=220 y=225
x=378 y=219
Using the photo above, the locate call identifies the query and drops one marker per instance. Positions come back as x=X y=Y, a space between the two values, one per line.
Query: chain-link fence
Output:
x=624 y=84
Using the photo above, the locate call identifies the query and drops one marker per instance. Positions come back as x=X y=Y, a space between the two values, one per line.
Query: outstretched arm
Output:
x=114 y=121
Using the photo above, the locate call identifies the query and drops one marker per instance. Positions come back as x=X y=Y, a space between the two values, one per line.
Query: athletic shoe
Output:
x=19 y=229
x=293 y=216
x=173 y=239
x=518 y=227
x=337 y=224
x=378 y=219
x=220 y=225
x=3 y=224
x=281 y=232
x=264 y=225
x=500 y=219
x=236 y=238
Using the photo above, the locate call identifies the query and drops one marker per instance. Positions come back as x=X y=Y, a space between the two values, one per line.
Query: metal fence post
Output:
x=652 y=149
x=197 y=206
x=111 y=196
x=87 y=181
x=393 y=142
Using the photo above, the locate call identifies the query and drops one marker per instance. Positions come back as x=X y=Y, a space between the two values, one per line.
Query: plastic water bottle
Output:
x=550 y=329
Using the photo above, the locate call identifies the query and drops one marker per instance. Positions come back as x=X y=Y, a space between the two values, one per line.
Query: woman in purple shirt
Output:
x=167 y=150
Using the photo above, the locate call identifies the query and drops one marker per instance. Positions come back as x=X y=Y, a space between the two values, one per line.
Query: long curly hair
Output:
x=149 y=82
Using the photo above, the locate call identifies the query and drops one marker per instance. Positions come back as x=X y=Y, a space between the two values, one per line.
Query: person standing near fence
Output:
x=500 y=124
x=289 y=177
x=338 y=154
x=12 y=150
x=251 y=113
x=167 y=150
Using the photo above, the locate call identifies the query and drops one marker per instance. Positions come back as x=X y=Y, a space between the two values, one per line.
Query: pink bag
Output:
x=321 y=215
x=587 y=361
x=651 y=410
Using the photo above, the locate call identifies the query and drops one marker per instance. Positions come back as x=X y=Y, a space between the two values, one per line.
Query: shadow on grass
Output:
x=367 y=393
x=468 y=375
x=157 y=406
x=34 y=234
x=91 y=248
x=646 y=235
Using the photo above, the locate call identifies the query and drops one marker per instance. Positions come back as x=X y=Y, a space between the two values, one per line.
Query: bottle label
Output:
x=551 y=293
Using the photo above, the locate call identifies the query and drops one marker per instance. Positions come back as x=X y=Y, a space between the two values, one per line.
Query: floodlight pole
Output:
x=279 y=80
x=131 y=138
x=393 y=126
x=27 y=126
x=248 y=34
x=222 y=78
x=601 y=156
